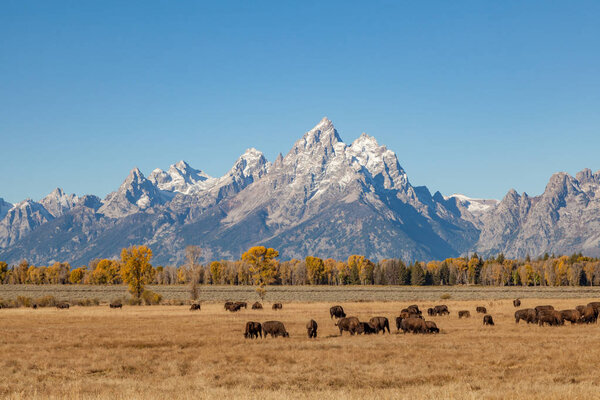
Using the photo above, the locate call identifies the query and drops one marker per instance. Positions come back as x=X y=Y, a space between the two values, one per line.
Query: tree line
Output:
x=260 y=266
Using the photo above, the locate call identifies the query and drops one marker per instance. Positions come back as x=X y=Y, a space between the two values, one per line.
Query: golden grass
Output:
x=163 y=352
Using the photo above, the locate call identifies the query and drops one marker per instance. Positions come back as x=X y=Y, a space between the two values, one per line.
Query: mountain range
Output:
x=324 y=198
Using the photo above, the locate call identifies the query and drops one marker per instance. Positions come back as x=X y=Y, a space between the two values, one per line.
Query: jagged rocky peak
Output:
x=323 y=135
x=180 y=177
x=378 y=160
x=4 y=207
x=251 y=164
x=135 y=194
x=58 y=202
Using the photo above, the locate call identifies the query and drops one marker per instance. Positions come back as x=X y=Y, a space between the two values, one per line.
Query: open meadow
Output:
x=157 y=352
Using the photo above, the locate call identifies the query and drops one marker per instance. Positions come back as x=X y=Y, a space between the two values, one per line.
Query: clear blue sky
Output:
x=474 y=97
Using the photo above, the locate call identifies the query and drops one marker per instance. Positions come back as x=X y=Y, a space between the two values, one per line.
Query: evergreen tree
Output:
x=417 y=275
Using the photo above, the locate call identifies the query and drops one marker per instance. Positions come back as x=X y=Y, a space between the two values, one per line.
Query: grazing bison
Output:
x=573 y=316
x=407 y=314
x=195 y=306
x=116 y=304
x=549 y=317
x=233 y=307
x=488 y=320
x=527 y=314
x=481 y=310
x=589 y=315
x=253 y=330
x=349 y=324
x=430 y=312
x=464 y=314
x=311 y=328
x=337 y=311
x=432 y=327
x=257 y=306
x=441 y=310
x=366 y=328
x=274 y=328
x=242 y=304
x=596 y=306
x=517 y=303
x=380 y=324
x=277 y=306
x=62 y=305
x=228 y=304
x=414 y=325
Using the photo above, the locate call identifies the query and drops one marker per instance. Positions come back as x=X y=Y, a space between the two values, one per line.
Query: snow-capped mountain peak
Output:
x=476 y=207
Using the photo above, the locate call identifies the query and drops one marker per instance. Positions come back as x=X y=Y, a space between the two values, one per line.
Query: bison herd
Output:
x=547 y=315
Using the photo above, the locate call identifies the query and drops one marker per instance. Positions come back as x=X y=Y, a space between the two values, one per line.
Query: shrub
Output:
x=46 y=301
x=24 y=301
x=151 y=298
x=445 y=296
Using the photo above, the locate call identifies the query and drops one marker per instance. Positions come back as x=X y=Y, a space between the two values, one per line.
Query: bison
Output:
x=430 y=312
x=337 y=311
x=517 y=302
x=257 y=306
x=311 y=328
x=233 y=307
x=380 y=324
x=349 y=324
x=488 y=320
x=242 y=304
x=441 y=310
x=274 y=328
x=277 y=306
x=414 y=309
x=527 y=314
x=414 y=325
x=573 y=316
x=63 y=305
x=464 y=314
x=195 y=306
x=116 y=304
x=228 y=304
x=481 y=310
x=432 y=327
x=549 y=317
x=580 y=309
x=253 y=330
x=366 y=328
x=589 y=315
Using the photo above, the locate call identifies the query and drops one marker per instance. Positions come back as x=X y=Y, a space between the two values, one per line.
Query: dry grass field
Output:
x=158 y=352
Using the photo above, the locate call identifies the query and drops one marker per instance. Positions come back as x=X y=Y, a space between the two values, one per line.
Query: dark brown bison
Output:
x=517 y=302
x=274 y=328
x=430 y=312
x=596 y=306
x=253 y=330
x=277 y=306
x=527 y=314
x=549 y=317
x=365 y=328
x=488 y=320
x=380 y=324
x=257 y=306
x=464 y=314
x=481 y=310
x=34 y=306
x=116 y=304
x=62 y=305
x=580 y=309
x=589 y=315
x=432 y=327
x=195 y=307
x=349 y=324
x=414 y=325
x=573 y=316
x=337 y=311
x=311 y=328
x=407 y=314
x=233 y=307
x=441 y=310
x=242 y=304
x=228 y=304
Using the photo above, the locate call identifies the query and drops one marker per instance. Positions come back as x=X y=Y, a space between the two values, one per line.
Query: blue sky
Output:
x=474 y=97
